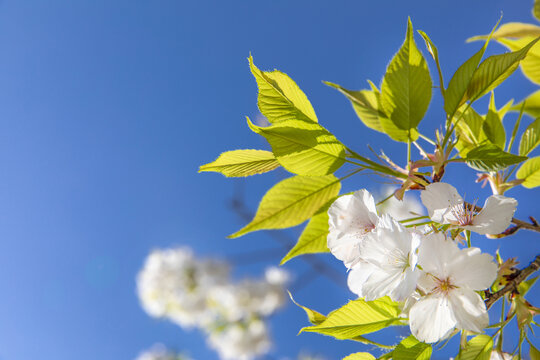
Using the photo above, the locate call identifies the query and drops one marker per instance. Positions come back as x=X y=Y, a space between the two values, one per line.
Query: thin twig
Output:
x=512 y=285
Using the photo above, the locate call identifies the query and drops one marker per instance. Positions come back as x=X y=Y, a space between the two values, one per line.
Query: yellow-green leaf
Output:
x=533 y=352
x=493 y=126
x=360 y=356
x=478 y=348
x=313 y=238
x=291 y=202
x=238 y=163
x=532 y=105
x=303 y=148
x=435 y=55
x=359 y=317
x=280 y=99
x=314 y=317
x=489 y=157
x=406 y=87
x=530 y=138
x=536 y=9
x=511 y=30
x=494 y=70
x=412 y=349
x=531 y=64
x=469 y=130
x=529 y=172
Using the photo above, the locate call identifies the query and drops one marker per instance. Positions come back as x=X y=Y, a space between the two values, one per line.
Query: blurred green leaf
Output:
x=536 y=9
x=280 y=99
x=412 y=349
x=478 y=348
x=531 y=64
x=530 y=138
x=532 y=105
x=238 y=163
x=303 y=148
x=313 y=238
x=511 y=30
x=489 y=157
x=529 y=172
x=493 y=126
x=406 y=87
x=359 y=317
x=360 y=356
x=291 y=202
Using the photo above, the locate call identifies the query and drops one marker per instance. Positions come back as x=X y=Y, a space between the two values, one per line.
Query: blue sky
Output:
x=107 y=110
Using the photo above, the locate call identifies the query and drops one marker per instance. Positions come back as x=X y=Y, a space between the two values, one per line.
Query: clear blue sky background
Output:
x=108 y=108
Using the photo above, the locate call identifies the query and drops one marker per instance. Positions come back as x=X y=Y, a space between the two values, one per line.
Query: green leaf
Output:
x=469 y=130
x=291 y=202
x=359 y=317
x=525 y=286
x=366 y=104
x=531 y=64
x=530 y=138
x=489 y=157
x=360 y=356
x=494 y=70
x=533 y=352
x=532 y=105
x=511 y=30
x=412 y=349
x=313 y=238
x=406 y=87
x=435 y=55
x=314 y=317
x=478 y=348
x=239 y=163
x=493 y=126
x=529 y=172
x=280 y=99
x=303 y=148
x=536 y=9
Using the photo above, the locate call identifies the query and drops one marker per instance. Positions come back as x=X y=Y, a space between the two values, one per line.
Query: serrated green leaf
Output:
x=291 y=202
x=435 y=55
x=511 y=30
x=406 y=87
x=532 y=105
x=529 y=172
x=478 y=348
x=489 y=157
x=280 y=99
x=359 y=317
x=412 y=349
x=313 y=238
x=493 y=126
x=530 y=138
x=494 y=70
x=531 y=64
x=238 y=163
x=314 y=317
x=469 y=130
x=303 y=148
x=360 y=356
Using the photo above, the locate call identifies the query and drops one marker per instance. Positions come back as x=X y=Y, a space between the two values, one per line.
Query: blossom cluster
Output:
x=436 y=280
x=191 y=292
x=160 y=352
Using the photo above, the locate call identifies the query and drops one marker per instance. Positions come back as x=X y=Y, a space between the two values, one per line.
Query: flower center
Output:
x=464 y=213
x=444 y=285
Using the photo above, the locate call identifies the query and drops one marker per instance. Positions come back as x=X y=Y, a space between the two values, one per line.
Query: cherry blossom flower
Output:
x=351 y=217
x=446 y=206
x=387 y=262
x=451 y=277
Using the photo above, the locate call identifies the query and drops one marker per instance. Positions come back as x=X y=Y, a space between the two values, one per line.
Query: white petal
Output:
x=496 y=215
x=435 y=253
x=469 y=310
x=382 y=283
x=472 y=269
x=358 y=276
x=439 y=198
x=431 y=318
x=406 y=286
x=344 y=247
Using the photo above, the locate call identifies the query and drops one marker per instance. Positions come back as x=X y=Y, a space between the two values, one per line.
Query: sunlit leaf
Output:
x=530 y=138
x=412 y=349
x=280 y=99
x=314 y=317
x=303 y=148
x=529 y=172
x=511 y=30
x=239 y=163
x=435 y=55
x=291 y=202
x=536 y=9
x=406 y=87
x=359 y=317
x=533 y=352
x=493 y=126
x=360 y=356
x=313 y=238
x=532 y=105
x=494 y=70
x=469 y=130
x=489 y=157
x=531 y=64
x=478 y=348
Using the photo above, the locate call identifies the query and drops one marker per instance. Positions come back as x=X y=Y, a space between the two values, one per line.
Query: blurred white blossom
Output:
x=160 y=352
x=404 y=209
x=241 y=340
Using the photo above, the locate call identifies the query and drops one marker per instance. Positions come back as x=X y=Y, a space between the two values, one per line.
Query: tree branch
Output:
x=512 y=285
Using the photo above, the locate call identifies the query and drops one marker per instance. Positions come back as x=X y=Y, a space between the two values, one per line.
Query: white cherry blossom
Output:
x=451 y=277
x=446 y=206
x=387 y=262
x=351 y=217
